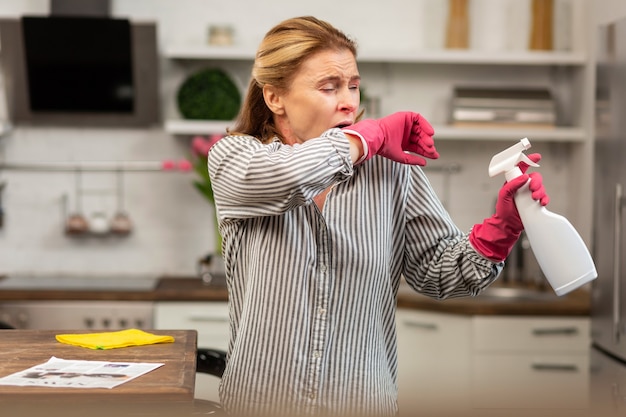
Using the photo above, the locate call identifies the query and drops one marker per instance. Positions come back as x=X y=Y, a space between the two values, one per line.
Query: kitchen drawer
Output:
x=433 y=363
x=210 y=319
x=524 y=334
x=530 y=381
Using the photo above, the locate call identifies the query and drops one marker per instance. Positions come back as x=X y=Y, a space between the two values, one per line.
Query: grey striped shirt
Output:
x=312 y=293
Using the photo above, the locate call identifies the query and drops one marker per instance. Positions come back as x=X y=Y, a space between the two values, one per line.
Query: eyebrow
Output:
x=337 y=78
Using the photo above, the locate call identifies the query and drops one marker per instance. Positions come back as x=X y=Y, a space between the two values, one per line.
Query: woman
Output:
x=321 y=215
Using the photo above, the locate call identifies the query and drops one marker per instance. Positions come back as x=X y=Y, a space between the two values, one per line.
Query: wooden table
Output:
x=168 y=387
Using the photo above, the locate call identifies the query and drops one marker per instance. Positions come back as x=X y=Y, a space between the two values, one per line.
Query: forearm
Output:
x=451 y=269
x=438 y=259
x=357 y=148
x=268 y=179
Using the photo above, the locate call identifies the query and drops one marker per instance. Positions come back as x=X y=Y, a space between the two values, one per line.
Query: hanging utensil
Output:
x=121 y=223
x=76 y=223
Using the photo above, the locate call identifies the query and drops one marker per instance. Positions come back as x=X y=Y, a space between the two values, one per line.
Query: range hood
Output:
x=79 y=66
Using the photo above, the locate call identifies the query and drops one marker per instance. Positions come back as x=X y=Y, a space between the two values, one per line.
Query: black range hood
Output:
x=78 y=64
x=80 y=68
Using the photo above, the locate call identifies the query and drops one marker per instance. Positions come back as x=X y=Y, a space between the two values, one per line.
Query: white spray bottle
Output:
x=558 y=248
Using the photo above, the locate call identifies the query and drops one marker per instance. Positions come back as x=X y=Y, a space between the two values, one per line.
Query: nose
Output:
x=349 y=100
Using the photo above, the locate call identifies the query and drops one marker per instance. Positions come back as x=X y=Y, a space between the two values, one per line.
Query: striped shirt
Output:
x=312 y=293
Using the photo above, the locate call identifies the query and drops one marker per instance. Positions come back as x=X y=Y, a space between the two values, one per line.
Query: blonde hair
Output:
x=280 y=55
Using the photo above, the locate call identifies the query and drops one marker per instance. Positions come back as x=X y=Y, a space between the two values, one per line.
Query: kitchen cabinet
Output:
x=424 y=80
x=433 y=363
x=210 y=320
x=537 y=363
x=451 y=364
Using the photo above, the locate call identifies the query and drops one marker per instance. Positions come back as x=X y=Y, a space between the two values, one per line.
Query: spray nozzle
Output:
x=506 y=161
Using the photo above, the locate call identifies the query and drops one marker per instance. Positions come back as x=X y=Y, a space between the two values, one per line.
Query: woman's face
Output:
x=324 y=93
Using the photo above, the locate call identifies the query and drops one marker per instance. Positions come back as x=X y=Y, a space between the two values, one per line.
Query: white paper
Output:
x=63 y=373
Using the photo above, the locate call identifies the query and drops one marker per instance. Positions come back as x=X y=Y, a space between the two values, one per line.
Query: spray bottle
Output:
x=559 y=249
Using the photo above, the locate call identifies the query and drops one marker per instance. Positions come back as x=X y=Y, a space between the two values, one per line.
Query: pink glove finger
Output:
x=510 y=188
x=418 y=148
x=420 y=128
x=535 y=157
x=408 y=155
x=413 y=159
x=537 y=189
x=424 y=126
x=426 y=147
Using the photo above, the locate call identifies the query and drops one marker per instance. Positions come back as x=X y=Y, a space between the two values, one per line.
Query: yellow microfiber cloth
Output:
x=112 y=340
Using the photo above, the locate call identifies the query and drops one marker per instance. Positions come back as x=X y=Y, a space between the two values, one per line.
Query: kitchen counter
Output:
x=576 y=303
x=162 y=289
x=169 y=387
x=172 y=288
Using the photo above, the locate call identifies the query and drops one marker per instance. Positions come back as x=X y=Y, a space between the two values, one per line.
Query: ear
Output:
x=272 y=98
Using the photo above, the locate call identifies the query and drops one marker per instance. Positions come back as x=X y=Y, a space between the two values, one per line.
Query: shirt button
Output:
x=323 y=268
x=317 y=354
x=322 y=312
x=312 y=396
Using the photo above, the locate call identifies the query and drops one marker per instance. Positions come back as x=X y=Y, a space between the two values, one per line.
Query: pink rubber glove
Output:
x=495 y=237
x=401 y=137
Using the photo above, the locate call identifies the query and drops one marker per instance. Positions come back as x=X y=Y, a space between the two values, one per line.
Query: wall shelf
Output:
x=442 y=132
x=557 y=134
x=197 y=127
x=470 y=57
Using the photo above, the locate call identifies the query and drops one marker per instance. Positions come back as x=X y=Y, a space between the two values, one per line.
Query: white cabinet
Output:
x=210 y=320
x=433 y=363
x=537 y=363
x=496 y=366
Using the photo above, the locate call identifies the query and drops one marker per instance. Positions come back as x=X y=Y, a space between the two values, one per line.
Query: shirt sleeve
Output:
x=439 y=260
x=252 y=179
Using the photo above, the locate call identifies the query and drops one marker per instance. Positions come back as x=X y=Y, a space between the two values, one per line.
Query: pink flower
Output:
x=184 y=165
x=201 y=145
x=168 y=165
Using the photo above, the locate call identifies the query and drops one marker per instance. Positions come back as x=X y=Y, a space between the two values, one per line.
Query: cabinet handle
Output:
x=421 y=325
x=566 y=367
x=567 y=331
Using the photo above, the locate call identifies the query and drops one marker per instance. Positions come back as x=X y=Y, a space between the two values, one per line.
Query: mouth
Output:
x=342 y=125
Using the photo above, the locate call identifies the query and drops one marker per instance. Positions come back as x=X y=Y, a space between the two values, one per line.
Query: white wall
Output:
x=173 y=224
x=608 y=10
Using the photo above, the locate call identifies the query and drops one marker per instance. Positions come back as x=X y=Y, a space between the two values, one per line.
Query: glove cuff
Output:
x=493 y=240
x=366 y=154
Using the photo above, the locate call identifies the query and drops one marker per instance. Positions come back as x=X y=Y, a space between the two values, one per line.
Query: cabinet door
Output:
x=433 y=363
x=530 y=381
x=530 y=363
x=210 y=320
x=545 y=334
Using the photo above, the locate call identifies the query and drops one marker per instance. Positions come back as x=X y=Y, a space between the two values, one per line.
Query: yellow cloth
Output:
x=112 y=340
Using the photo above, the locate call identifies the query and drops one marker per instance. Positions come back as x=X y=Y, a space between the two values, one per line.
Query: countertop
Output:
x=171 y=288
x=171 y=385
x=576 y=303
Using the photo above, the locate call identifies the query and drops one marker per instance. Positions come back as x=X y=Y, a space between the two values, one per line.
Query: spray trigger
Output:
x=524 y=158
x=506 y=161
